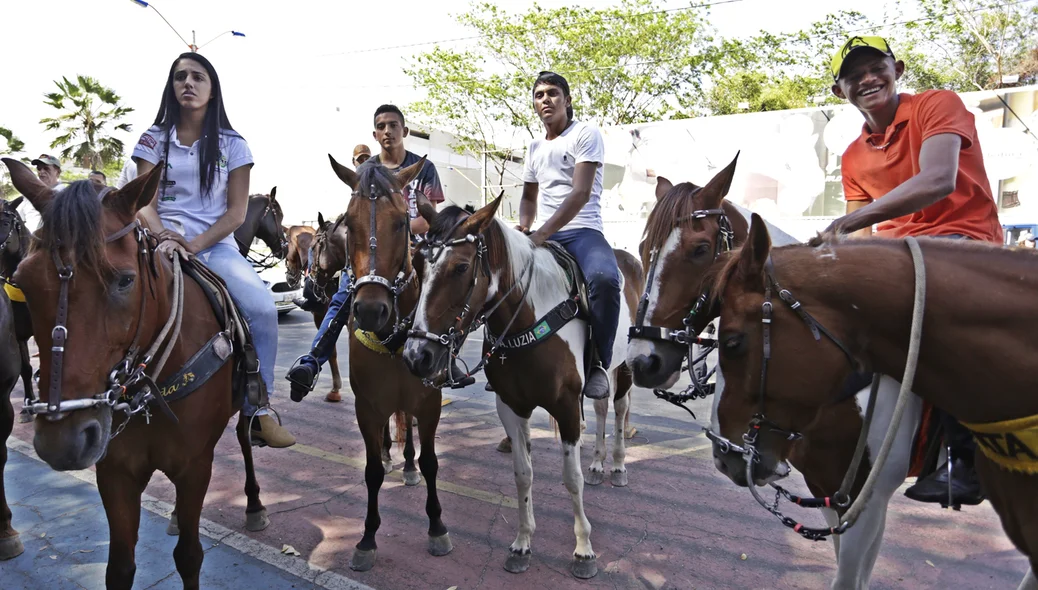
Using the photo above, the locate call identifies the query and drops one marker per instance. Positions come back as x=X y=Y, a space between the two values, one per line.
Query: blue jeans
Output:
x=598 y=261
x=336 y=303
x=255 y=304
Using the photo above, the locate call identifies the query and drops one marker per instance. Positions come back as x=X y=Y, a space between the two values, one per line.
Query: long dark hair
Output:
x=215 y=122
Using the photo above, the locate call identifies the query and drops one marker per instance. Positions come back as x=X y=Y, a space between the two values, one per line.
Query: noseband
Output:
x=687 y=337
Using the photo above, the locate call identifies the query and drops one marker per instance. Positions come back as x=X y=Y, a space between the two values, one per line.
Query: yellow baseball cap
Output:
x=875 y=43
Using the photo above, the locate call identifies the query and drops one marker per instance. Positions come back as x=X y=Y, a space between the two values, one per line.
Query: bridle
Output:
x=688 y=337
x=313 y=256
x=455 y=335
x=130 y=388
x=402 y=279
x=10 y=223
x=270 y=259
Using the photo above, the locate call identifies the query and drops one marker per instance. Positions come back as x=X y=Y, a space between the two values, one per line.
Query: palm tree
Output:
x=88 y=113
x=11 y=145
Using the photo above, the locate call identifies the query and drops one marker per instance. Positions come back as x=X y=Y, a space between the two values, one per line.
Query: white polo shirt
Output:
x=551 y=165
x=181 y=205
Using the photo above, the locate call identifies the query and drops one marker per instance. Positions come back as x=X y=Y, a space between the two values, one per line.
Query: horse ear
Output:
x=138 y=192
x=16 y=203
x=479 y=221
x=755 y=252
x=408 y=174
x=663 y=187
x=717 y=189
x=425 y=207
x=273 y=194
x=29 y=184
x=345 y=174
x=320 y=220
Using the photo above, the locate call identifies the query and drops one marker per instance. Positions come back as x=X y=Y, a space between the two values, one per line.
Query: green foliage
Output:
x=89 y=114
x=10 y=145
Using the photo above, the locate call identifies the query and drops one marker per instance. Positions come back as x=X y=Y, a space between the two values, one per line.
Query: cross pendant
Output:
x=502 y=357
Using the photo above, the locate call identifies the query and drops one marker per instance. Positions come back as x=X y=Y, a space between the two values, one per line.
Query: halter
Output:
x=130 y=389
x=456 y=334
x=10 y=223
x=400 y=282
x=688 y=337
x=749 y=451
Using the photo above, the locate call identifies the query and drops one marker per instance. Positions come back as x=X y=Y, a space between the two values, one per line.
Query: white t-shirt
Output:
x=129 y=173
x=180 y=204
x=30 y=216
x=551 y=165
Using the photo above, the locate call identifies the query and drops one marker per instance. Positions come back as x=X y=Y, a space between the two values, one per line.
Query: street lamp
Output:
x=193 y=45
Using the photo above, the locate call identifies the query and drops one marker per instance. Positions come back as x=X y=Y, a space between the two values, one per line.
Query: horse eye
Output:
x=461 y=268
x=700 y=251
x=125 y=281
x=733 y=345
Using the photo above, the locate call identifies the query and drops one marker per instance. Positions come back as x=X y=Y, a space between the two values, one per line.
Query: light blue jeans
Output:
x=255 y=304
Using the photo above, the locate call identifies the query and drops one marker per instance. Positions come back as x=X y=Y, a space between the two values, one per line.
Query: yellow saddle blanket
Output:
x=1013 y=444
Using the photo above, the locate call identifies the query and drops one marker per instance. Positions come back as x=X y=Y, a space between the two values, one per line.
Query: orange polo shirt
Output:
x=876 y=163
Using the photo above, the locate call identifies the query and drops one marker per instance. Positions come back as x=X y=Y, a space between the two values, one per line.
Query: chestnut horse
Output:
x=94 y=316
x=859 y=295
x=385 y=292
x=475 y=265
x=301 y=238
x=10 y=543
x=685 y=237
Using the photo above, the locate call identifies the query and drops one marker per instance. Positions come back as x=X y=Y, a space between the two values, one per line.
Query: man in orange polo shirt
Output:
x=916 y=170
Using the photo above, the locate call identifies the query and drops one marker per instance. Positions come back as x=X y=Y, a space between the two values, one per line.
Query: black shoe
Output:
x=460 y=379
x=597 y=384
x=303 y=377
x=965 y=487
x=304 y=304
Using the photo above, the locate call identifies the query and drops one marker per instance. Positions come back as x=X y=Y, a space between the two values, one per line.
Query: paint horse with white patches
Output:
x=385 y=293
x=477 y=266
x=684 y=247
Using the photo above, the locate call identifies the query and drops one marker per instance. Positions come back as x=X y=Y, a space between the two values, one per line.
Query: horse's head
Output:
x=300 y=239
x=14 y=236
x=687 y=230
x=456 y=281
x=327 y=250
x=766 y=404
x=86 y=282
x=269 y=228
x=378 y=239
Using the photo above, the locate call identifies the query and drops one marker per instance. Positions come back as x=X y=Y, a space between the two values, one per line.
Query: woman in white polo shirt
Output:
x=202 y=199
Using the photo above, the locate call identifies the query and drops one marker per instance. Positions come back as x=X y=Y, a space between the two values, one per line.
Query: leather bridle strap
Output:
x=58 y=335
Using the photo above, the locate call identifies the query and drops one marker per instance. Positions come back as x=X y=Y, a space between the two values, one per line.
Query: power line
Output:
x=597 y=18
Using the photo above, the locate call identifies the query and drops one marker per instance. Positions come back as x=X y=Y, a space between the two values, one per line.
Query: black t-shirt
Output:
x=427 y=181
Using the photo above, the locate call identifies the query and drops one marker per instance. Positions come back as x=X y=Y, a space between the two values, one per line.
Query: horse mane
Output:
x=72 y=226
x=372 y=174
x=445 y=221
x=507 y=243
x=678 y=203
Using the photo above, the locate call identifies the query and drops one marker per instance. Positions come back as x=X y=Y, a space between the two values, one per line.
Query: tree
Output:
x=89 y=116
x=10 y=145
x=629 y=63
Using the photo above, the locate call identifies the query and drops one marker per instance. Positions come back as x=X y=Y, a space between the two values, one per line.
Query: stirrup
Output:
x=308 y=386
x=248 y=431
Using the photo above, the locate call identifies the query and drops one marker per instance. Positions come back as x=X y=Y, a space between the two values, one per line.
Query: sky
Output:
x=301 y=84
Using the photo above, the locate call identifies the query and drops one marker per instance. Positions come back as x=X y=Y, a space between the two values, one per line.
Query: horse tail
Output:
x=403 y=422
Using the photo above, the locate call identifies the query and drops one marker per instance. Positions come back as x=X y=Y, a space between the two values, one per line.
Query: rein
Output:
x=698 y=387
x=842 y=498
x=131 y=389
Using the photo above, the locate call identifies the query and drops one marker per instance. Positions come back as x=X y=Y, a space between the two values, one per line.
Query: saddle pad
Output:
x=577 y=282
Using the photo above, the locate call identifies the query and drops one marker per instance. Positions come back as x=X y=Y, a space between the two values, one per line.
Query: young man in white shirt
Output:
x=562 y=184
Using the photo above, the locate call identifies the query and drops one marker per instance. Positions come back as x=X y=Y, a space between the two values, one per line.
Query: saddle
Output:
x=577 y=282
x=234 y=339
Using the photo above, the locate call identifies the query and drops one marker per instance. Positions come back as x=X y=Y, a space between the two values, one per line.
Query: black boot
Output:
x=303 y=377
x=965 y=487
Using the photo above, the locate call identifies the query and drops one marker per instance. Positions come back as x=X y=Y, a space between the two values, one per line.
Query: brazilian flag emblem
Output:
x=541 y=330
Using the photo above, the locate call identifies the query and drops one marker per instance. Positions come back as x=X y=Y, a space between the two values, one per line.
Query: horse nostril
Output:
x=647 y=364
x=91 y=434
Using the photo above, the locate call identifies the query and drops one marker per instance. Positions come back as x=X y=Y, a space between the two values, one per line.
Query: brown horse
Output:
x=858 y=294
x=14 y=246
x=475 y=265
x=10 y=543
x=385 y=292
x=301 y=238
x=688 y=234
x=99 y=295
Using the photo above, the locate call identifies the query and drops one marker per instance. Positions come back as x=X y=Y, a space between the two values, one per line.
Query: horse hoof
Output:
x=440 y=546
x=173 y=526
x=629 y=432
x=362 y=561
x=412 y=478
x=333 y=397
x=620 y=479
x=256 y=521
x=505 y=446
x=24 y=417
x=594 y=477
x=517 y=563
x=584 y=568
x=11 y=547
x=387 y=466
